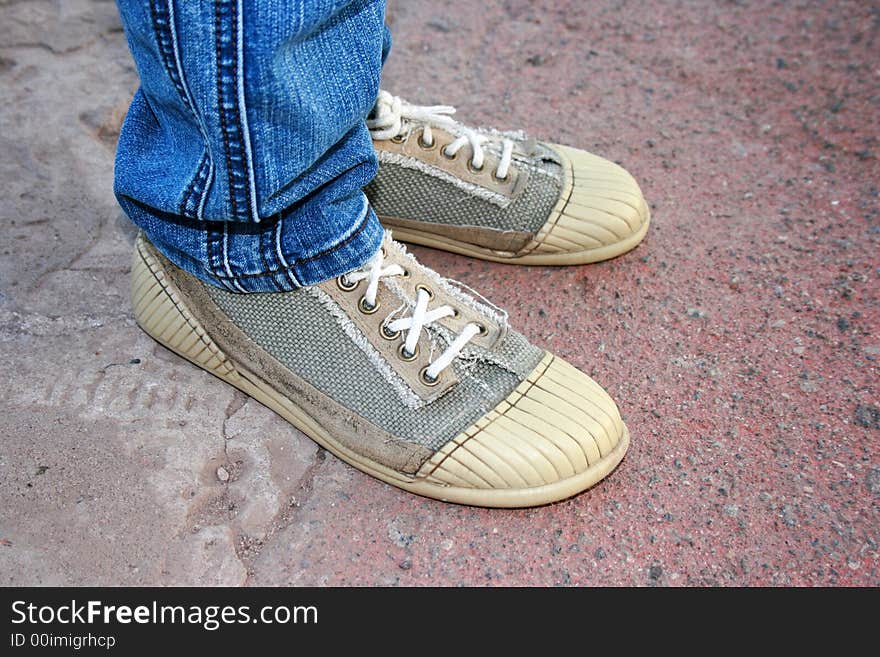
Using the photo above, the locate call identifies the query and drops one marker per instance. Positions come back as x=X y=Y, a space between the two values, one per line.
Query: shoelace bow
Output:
x=392 y=116
x=373 y=272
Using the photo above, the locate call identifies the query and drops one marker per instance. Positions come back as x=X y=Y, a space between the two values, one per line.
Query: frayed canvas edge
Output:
x=457 y=129
x=487 y=309
x=437 y=333
x=469 y=355
x=474 y=190
x=527 y=162
x=406 y=394
x=494 y=134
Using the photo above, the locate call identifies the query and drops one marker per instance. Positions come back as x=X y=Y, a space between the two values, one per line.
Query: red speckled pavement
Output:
x=740 y=339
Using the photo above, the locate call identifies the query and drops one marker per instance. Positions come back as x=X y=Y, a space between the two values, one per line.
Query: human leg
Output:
x=244 y=153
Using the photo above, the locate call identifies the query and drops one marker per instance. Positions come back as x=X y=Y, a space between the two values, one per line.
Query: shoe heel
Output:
x=160 y=312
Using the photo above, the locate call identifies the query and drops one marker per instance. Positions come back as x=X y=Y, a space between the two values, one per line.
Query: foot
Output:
x=401 y=374
x=498 y=196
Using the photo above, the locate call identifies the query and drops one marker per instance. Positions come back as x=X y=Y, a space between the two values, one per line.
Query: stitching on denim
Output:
x=227 y=266
x=242 y=111
x=263 y=259
x=279 y=228
x=189 y=207
x=225 y=44
x=294 y=263
x=282 y=279
x=199 y=189
x=214 y=249
x=187 y=193
x=218 y=47
x=162 y=14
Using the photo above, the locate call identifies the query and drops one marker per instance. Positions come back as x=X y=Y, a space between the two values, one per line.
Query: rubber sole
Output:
x=162 y=313
x=552 y=259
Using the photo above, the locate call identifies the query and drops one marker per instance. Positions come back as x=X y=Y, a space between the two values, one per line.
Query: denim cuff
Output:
x=276 y=255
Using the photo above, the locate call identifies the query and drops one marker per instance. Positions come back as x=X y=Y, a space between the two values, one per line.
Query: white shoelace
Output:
x=392 y=116
x=373 y=272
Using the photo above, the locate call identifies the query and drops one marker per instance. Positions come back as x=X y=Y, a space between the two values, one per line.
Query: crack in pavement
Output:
x=287 y=513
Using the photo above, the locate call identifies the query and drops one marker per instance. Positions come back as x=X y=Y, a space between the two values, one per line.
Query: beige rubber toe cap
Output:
x=556 y=435
x=601 y=213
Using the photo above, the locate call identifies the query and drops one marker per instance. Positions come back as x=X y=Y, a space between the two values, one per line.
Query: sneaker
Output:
x=398 y=372
x=498 y=195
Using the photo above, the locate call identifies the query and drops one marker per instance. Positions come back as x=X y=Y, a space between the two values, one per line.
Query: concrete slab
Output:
x=740 y=340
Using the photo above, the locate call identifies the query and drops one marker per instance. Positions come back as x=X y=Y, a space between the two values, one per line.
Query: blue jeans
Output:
x=244 y=152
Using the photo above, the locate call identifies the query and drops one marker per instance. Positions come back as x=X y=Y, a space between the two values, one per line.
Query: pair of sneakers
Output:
x=403 y=373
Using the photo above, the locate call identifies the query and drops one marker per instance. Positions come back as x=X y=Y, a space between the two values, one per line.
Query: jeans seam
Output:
x=265 y=261
x=227 y=265
x=218 y=26
x=230 y=106
x=281 y=259
x=242 y=111
x=214 y=248
x=273 y=258
x=193 y=190
x=162 y=14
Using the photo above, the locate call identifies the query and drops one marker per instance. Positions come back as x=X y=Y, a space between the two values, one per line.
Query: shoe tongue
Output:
x=397 y=253
x=535 y=150
x=446 y=291
x=524 y=147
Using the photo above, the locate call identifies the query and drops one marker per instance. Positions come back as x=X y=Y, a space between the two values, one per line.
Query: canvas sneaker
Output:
x=498 y=195
x=399 y=372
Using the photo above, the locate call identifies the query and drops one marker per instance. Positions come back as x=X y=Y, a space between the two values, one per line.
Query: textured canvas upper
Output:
x=404 y=192
x=298 y=329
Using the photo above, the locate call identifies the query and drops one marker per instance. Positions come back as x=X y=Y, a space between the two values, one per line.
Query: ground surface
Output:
x=740 y=340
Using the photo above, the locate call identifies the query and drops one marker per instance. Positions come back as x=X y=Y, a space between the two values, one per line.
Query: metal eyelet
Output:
x=425 y=145
x=496 y=178
x=426 y=289
x=448 y=156
x=343 y=284
x=456 y=313
x=483 y=329
x=398 y=139
x=473 y=169
x=405 y=356
x=405 y=273
x=368 y=310
x=387 y=333
x=428 y=381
